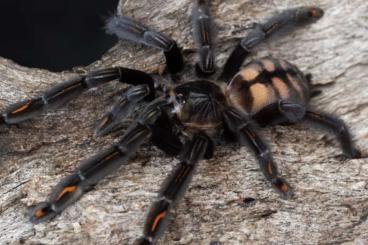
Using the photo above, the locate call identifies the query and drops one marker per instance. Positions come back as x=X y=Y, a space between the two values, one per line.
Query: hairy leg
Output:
x=133 y=31
x=63 y=92
x=287 y=20
x=92 y=170
x=203 y=35
x=240 y=126
x=338 y=127
x=173 y=188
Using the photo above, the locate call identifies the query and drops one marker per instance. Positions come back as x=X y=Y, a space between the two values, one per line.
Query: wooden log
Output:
x=331 y=202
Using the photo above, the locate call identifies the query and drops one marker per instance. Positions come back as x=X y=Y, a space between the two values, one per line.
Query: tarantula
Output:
x=187 y=119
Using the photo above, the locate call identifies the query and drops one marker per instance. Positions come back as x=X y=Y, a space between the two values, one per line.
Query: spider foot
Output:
x=283 y=188
x=142 y=241
x=352 y=154
x=42 y=212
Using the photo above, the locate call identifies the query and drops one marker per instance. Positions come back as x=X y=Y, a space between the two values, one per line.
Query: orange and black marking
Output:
x=315 y=12
x=266 y=81
x=23 y=106
x=66 y=190
x=251 y=134
x=104 y=121
x=282 y=186
x=159 y=212
x=98 y=164
x=273 y=28
x=111 y=156
x=71 y=86
x=157 y=220
x=270 y=168
x=63 y=89
x=204 y=33
x=39 y=213
x=183 y=172
x=42 y=212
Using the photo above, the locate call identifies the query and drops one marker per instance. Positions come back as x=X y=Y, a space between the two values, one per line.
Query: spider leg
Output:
x=281 y=112
x=241 y=126
x=63 y=92
x=133 y=31
x=92 y=170
x=285 y=21
x=164 y=136
x=173 y=188
x=203 y=36
x=339 y=128
x=121 y=109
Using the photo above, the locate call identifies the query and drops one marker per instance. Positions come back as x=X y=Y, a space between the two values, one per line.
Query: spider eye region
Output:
x=198 y=104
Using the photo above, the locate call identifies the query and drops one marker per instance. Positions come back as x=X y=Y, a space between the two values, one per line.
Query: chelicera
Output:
x=187 y=118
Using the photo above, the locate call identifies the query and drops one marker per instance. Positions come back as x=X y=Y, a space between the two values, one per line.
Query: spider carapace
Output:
x=187 y=119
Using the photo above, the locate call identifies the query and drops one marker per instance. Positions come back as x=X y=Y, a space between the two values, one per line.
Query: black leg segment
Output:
x=281 y=112
x=339 y=128
x=287 y=20
x=165 y=135
x=92 y=170
x=203 y=35
x=64 y=92
x=122 y=109
x=173 y=188
x=240 y=126
x=133 y=31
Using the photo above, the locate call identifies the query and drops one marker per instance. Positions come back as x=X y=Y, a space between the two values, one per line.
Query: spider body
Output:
x=266 y=81
x=254 y=90
x=187 y=119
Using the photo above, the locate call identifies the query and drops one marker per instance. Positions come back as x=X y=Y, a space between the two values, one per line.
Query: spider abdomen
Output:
x=264 y=82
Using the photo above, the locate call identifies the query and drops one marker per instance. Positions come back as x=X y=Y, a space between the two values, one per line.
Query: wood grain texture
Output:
x=331 y=203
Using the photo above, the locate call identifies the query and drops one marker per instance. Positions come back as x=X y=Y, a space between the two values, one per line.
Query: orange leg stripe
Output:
x=104 y=121
x=70 y=87
x=22 y=108
x=159 y=217
x=270 y=168
x=66 y=190
x=181 y=174
x=206 y=36
x=67 y=89
x=274 y=26
x=284 y=187
x=39 y=213
x=178 y=177
x=314 y=12
x=250 y=135
x=316 y=116
x=111 y=156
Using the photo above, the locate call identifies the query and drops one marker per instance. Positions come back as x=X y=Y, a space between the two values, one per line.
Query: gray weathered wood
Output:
x=331 y=203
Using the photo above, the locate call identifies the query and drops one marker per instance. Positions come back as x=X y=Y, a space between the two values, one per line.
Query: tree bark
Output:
x=331 y=196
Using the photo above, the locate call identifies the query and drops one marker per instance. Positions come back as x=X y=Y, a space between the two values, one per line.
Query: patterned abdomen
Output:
x=265 y=81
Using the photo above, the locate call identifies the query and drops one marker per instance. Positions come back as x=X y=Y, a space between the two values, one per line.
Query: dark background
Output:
x=55 y=34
